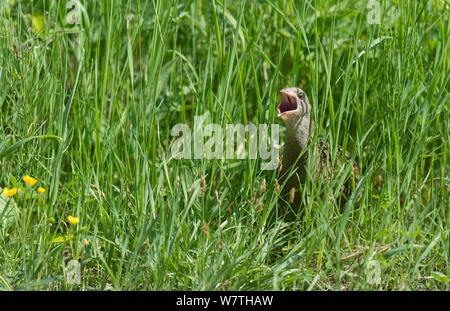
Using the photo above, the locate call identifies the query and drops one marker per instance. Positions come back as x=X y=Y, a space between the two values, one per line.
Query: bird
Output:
x=296 y=112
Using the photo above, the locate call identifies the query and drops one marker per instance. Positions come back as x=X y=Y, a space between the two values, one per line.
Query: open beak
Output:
x=288 y=102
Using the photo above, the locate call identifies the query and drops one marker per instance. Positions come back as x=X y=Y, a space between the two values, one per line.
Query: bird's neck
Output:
x=297 y=134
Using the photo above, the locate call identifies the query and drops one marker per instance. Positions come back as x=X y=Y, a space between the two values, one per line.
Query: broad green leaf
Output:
x=61 y=239
x=6 y=211
x=440 y=277
x=37 y=24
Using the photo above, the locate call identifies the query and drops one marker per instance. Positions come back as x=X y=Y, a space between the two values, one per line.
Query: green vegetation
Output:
x=87 y=102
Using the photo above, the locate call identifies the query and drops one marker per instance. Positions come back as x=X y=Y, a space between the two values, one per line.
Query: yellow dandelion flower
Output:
x=41 y=190
x=29 y=180
x=73 y=220
x=86 y=242
x=9 y=192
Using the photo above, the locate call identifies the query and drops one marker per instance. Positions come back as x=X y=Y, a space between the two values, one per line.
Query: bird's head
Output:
x=294 y=105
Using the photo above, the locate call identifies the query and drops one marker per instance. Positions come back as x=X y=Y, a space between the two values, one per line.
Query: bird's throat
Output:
x=296 y=140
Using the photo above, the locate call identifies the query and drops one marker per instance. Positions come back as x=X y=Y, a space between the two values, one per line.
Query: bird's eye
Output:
x=300 y=93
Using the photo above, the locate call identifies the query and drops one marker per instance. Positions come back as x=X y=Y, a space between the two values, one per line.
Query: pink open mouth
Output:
x=288 y=103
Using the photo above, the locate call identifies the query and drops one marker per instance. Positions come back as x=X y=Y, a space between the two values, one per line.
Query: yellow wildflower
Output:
x=29 y=180
x=41 y=190
x=86 y=242
x=9 y=192
x=73 y=220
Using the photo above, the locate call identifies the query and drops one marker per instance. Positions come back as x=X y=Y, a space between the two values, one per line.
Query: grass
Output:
x=87 y=110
